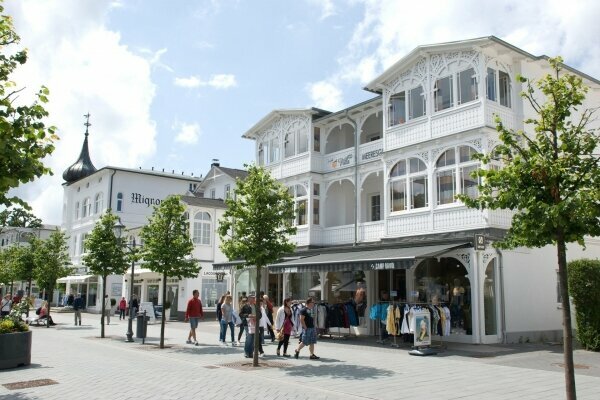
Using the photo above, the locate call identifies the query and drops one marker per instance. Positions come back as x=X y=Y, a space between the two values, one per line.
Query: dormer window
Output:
x=498 y=87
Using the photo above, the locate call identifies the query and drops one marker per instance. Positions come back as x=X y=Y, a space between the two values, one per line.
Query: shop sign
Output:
x=220 y=276
x=138 y=198
x=382 y=265
x=422 y=328
x=479 y=242
x=372 y=154
x=340 y=161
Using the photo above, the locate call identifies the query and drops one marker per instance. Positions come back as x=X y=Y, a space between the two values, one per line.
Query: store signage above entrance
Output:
x=220 y=276
x=382 y=265
x=479 y=242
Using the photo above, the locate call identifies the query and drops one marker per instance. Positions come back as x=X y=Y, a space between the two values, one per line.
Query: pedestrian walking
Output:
x=227 y=320
x=249 y=312
x=264 y=324
x=135 y=305
x=269 y=309
x=122 y=308
x=6 y=305
x=284 y=326
x=243 y=321
x=220 y=316
x=107 y=308
x=77 y=307
x=309 y=334
x=193 y=313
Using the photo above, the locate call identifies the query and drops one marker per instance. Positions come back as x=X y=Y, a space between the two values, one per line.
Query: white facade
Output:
x=131 y=194
x=385 y=173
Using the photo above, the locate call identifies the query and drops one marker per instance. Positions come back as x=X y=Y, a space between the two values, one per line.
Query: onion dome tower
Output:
x=83 y=166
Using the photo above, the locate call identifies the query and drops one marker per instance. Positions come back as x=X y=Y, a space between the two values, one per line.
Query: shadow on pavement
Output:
x=15 y=396
x=208 y=349
x=351 y=372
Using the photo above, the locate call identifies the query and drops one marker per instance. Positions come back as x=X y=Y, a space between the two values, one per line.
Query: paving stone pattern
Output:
x=88 y=367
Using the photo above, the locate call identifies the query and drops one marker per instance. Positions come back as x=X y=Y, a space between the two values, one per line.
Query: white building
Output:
x=20 y=236
x=131 y=195
x=375 y=187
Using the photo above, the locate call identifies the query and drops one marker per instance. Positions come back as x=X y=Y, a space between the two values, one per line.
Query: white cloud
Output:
x=187 y=133
x=191 y=82
x=219 y=81
x=325 y=95
x=391 y=29
x=326 y=6
x=86 y=68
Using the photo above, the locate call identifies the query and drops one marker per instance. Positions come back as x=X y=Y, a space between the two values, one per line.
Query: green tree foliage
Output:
x=257 y=224
x=7 y=268
x=24 y=138
x=53 y=262
x=168 y=247
x=584 y=286
x=25 y=262
x=105 y=255
x=549 y=177
x=19 y=217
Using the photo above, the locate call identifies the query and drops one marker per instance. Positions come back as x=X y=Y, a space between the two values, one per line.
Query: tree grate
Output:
x=29 y=384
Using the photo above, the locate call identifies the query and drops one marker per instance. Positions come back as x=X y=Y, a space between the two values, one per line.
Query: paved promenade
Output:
x=87 y=367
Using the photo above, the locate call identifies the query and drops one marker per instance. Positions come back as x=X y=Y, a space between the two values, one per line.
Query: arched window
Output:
x=408 y=185
x=98 y=203
x=119 y=201
x=202 y=228
x=87 y=208
x=453 y=174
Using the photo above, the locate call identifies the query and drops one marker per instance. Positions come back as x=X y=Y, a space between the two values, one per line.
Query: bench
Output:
x=35 y=319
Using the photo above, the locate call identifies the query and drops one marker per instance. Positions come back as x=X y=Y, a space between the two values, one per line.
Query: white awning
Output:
x=74 y=279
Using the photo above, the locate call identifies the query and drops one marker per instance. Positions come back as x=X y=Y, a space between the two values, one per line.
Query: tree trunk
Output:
x=256 y=320
x=566 y=310
x=29 y=295
x=103 y=311
x=162 y=317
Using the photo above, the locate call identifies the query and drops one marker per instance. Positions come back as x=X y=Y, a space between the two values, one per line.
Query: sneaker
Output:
x=196 y=344
x=296 y=354
x=314 y=357
x=261 y=355
x=188 y=341
x=286 y=355
x=278 y=354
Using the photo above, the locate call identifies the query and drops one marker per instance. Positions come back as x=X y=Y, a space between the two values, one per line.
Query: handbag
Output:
x=279 y=335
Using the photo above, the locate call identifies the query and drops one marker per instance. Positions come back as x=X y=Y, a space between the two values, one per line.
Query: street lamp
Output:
x=118 y=230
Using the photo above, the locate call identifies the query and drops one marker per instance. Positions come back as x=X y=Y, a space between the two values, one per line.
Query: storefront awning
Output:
x=74 y=279
x=382 y=259
x=227 y=266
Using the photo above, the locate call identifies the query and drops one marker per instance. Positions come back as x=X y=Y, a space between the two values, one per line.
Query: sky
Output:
x=175 y=84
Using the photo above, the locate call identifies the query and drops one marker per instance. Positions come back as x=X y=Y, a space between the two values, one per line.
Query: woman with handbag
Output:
x=284 y=326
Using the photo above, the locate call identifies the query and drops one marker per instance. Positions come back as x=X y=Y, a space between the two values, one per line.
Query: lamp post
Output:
x=119 y=227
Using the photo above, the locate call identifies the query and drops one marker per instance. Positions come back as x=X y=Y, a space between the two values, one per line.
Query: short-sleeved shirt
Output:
x=308 y=318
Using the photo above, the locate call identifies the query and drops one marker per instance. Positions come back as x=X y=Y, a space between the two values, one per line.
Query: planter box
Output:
x=15 y=349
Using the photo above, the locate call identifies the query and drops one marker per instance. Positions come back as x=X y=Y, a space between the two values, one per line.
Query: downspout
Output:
x=110 y=189
x=502 y=303
x=356 y=140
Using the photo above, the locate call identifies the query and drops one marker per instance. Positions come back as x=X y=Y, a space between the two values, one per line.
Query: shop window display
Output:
x=446 y=282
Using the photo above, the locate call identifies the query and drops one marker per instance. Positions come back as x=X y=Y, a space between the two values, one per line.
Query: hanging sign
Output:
x=479 y=242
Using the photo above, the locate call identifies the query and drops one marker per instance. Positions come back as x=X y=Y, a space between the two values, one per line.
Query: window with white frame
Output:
x=98 y=203
x=316 y=198
x=213 y=193
x=295 y=141
x=202 y=228
x=405 y=105
x=87 y=207
x=289 y=144
x=375 y=207
x=316 y=139
x=227 y=191
x=498 y=87
x=274 y=150
x=453 y=174
x=408 y=185
x=119 y=201
x=82 y=243
x=261 y=154
x=76 y=210
x=300 y=196
x=455 y=89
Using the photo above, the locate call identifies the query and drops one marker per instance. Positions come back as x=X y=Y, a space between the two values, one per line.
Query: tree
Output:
x=53 y=262
x=25 y=138
x=19 y=217
x=7 y=270
x=257 y=224
x=550 y=178
x=168 y=247
x=105 y=254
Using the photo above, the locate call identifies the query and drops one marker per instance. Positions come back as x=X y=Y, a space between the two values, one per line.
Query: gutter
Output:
x=110 y=189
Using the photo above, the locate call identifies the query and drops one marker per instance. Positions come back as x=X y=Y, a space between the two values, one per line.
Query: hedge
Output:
x=584 y=288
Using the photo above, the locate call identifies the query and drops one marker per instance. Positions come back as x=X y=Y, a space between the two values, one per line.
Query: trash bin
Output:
x=142 y=325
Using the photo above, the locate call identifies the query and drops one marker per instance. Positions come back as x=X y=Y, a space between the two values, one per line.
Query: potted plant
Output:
x=15 y=338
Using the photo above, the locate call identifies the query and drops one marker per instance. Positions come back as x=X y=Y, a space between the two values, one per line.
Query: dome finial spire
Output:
x=87 y=123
